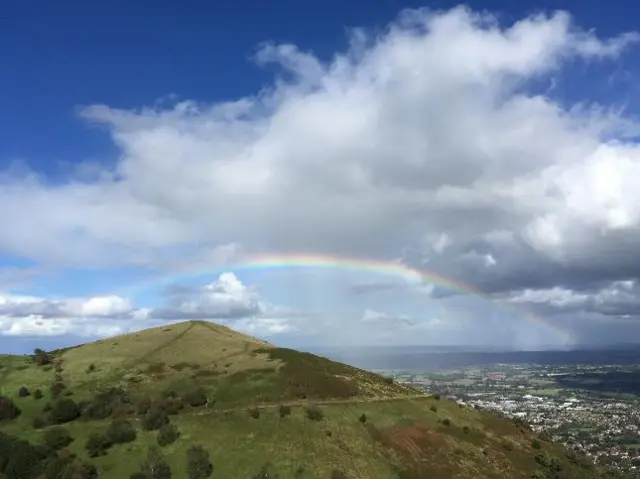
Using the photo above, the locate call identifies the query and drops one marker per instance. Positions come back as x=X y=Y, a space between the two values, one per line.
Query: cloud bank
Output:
x=432 y=140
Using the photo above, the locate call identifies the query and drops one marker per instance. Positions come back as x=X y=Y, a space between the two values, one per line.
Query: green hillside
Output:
x=136 y=405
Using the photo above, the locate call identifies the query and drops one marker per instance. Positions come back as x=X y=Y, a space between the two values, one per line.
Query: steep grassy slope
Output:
x=258 y=409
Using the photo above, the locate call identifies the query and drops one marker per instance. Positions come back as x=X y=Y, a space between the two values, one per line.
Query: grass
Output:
x=404 y=435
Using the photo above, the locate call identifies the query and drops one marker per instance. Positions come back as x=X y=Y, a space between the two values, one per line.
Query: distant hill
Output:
x=197 y=399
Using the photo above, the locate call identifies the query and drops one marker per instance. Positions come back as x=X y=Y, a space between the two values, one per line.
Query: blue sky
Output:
x=145 y=149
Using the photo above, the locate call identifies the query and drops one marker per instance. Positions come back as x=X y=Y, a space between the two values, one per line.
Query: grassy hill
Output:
x=139 y=403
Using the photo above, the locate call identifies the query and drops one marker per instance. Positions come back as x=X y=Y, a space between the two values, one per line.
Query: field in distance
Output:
x=196 y=399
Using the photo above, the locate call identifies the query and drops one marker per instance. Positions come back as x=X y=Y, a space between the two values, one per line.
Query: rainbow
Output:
x=378 y=267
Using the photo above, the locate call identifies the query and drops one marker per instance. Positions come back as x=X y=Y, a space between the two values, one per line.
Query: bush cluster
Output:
x=113 y=402
x=56 y=438
x=154 y=419
x=21 y=459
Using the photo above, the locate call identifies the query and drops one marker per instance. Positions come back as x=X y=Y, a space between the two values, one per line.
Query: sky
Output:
x=350 y=174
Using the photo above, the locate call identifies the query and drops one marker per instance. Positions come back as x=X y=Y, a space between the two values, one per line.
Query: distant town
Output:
x=592 y=409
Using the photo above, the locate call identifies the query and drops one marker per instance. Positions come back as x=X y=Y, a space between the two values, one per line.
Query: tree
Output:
x=37 y=394
x=198 y=463
x=167 y=434
x=8 y=409
x=363 y=418
x=56 y=438
x=97 y=444
x=23 y=392
x=155 y=466
x=64 y=410
x=121 y=431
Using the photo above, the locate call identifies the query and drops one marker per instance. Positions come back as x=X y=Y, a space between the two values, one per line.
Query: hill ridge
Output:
x=254 y=408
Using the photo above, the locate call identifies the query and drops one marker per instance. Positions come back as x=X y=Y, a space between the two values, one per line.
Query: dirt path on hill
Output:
x=307 y=402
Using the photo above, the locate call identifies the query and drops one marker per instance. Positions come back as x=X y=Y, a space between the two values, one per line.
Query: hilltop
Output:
x=201 y=400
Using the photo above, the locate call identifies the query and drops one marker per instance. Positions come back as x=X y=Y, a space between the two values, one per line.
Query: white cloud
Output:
x=378 y=317
x=430 y=137
x=225 y=298
x=15 y=305
x=368 y=144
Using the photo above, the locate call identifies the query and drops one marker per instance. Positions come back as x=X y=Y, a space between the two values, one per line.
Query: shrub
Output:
x=143 y=405
x=39 y=422
x=363 y=418
x=121 y=432
x=446 y=421
x=284 y=411
x=388 y=379
x=80 y=470
x=91 y=368
x=154 y=419
x=155 y=466
x=167 y=434
x=8 y=409
x=338 y=474
x=37 y=394
x=171 y=405
x=465 y=429
x=434 y=408
x=196 y=398
x=23 y=392
x=64 y=410
x=56 y=438
x=535 y=444
x=437 y=397
x=198 y=463
x=56 y=388
x=507 y=444
x=545 y=436
x=315 y=413
x=97 y=444
x=254 y=413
